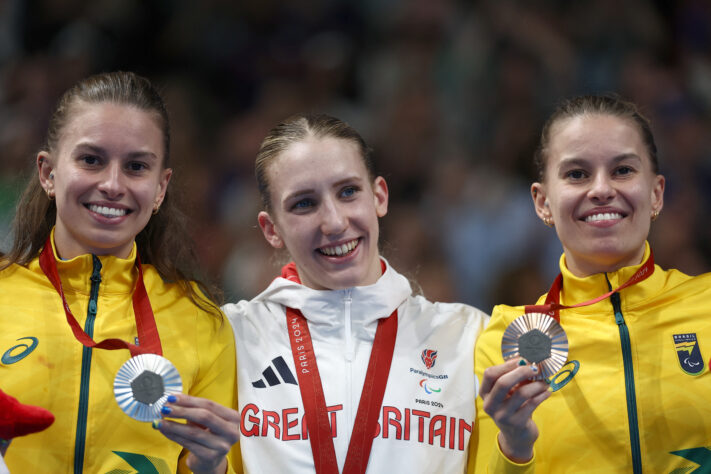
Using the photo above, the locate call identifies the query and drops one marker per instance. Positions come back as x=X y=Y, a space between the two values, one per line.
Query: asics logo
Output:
x=271 y=377
x=19 y=351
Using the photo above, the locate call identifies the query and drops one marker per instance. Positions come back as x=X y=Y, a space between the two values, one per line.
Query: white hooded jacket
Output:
x=427 y=413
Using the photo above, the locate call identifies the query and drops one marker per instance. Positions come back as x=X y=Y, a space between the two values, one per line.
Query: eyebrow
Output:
x=101 y=151
x=304 y=192
x=575 y=161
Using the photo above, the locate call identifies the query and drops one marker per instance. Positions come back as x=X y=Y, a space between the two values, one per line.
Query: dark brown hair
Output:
x=595 y=105
x=295 y=129
x=164 y=242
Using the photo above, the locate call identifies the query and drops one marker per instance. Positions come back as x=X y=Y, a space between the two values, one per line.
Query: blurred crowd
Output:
x=450 y=95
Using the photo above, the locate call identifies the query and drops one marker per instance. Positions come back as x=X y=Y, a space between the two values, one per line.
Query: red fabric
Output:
x=17 y=419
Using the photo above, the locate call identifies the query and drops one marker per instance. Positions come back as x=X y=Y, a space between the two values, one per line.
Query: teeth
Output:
x=339 y=249
x=607 y=216
x=107 y=211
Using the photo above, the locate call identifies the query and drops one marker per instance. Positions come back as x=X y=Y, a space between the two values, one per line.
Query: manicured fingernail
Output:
x=156 y=424
x=534 y=368
x=165 y=410
x=172 y=398
x=522 y=362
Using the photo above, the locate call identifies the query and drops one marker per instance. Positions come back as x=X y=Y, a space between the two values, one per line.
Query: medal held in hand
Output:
x=142 y=386
x=539 y=339
x=143 y=383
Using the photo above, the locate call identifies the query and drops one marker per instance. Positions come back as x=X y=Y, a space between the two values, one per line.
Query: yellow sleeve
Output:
x=484 y=452
x=217 y=380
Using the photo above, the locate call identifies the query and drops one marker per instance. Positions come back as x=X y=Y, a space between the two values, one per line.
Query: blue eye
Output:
x=303 y=204
x=349 y=191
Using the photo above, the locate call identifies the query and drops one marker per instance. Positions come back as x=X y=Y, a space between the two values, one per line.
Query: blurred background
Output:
x=451 y=95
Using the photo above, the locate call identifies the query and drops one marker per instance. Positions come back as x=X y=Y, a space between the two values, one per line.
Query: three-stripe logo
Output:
x=271 y=377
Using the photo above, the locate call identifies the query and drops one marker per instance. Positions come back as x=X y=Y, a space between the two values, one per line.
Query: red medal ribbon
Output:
x=552 y=305
x=371 y=398
x=145 y=321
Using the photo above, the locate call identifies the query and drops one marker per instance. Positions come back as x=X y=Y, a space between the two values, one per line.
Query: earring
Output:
x=655 y=214
x=51 y=175
x=548 y=222
x=50 y=195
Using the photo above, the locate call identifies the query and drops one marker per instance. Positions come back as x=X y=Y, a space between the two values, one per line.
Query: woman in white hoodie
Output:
x=384 y=379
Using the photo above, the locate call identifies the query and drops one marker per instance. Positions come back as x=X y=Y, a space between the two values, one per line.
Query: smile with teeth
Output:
x=339 y=250
x=604 y=216
x=107 y=211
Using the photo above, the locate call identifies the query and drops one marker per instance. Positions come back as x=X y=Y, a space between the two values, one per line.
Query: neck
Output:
x=68 y=248
x=581 y=266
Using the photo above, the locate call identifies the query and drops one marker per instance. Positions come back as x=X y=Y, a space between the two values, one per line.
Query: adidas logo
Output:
x=272 y=378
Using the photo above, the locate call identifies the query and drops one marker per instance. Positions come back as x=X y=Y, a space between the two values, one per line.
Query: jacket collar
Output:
x=118 y=275
x=367 y=303
x=576 y=289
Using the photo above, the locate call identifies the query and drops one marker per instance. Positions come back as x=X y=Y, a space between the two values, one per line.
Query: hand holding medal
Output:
x=538 y=339
x=143 y=383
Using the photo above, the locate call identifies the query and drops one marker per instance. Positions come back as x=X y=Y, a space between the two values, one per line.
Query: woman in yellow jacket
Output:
x=632 y=395
x=72 y=287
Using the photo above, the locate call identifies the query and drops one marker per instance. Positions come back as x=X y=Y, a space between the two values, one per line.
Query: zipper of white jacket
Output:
x=347 y=300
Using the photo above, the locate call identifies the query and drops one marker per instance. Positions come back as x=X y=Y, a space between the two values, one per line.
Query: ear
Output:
x=658 y=193
x=540 y=202
x=380 y=195
x=162 y=187
x=45 y=168
x=266 y=223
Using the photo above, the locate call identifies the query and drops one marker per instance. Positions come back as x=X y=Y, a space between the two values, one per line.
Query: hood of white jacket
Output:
x=326 y=307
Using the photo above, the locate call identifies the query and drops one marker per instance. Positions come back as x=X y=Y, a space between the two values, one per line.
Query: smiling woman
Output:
x=627 y=400
x=383 y=379
x=101 y=254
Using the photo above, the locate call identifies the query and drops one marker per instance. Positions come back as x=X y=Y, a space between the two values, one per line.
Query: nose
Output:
x=602 y=188
x=111 y=181
x=333 y=218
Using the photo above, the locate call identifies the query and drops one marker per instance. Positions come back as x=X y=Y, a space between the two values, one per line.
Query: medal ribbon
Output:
x=371 y=398
x=145 y=321
x=552 y=305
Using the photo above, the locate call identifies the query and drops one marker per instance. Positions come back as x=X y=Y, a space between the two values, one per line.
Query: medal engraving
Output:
x=148 y=387
x=534 y=346
x=142 y=386
x=539 y=339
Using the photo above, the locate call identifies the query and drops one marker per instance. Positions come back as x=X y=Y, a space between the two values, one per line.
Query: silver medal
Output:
x=539 y=339
x=143 y=383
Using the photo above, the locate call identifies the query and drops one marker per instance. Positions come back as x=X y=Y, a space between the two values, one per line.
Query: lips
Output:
x=108 y=211
x=603 y=216
x=340 y=250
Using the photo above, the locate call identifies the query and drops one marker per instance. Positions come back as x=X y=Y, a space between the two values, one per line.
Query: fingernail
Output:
x=534 y=368
x=156 y=424
x=172 y=398
x=522 y=362
x=165 y=410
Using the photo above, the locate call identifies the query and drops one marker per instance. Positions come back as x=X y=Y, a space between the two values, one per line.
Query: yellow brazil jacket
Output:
x=43 y=364
x=634 y=394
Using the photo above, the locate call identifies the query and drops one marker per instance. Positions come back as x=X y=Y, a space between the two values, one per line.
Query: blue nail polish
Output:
x=165 y=410
x=534 y=368
x=156 y=424
x=172 y=398
x=522 y=362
